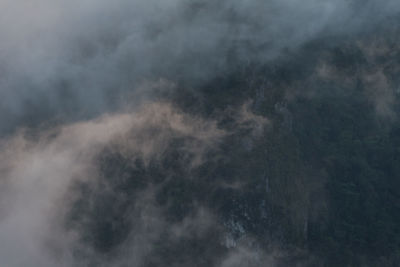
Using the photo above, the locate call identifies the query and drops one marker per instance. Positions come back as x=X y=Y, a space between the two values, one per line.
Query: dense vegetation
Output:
x=321 y=182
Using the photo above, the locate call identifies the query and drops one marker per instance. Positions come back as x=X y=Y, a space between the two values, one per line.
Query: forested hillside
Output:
x=200 y=133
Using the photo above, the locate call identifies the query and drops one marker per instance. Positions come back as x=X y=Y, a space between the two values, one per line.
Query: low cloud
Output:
x=81 y=59
x=38 y=170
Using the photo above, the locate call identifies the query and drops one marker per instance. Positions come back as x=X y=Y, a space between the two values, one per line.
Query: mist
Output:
x=97 y=140
x=76 y=60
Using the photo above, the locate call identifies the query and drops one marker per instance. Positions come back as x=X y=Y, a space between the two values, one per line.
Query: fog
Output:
x=81 y=77
x=79 y=59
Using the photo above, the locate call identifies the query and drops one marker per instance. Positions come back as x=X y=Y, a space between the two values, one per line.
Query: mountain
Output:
x=200 y=133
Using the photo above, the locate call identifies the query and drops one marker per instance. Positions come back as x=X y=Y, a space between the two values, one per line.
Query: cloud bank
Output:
x=78 y=59
x=79 y=104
